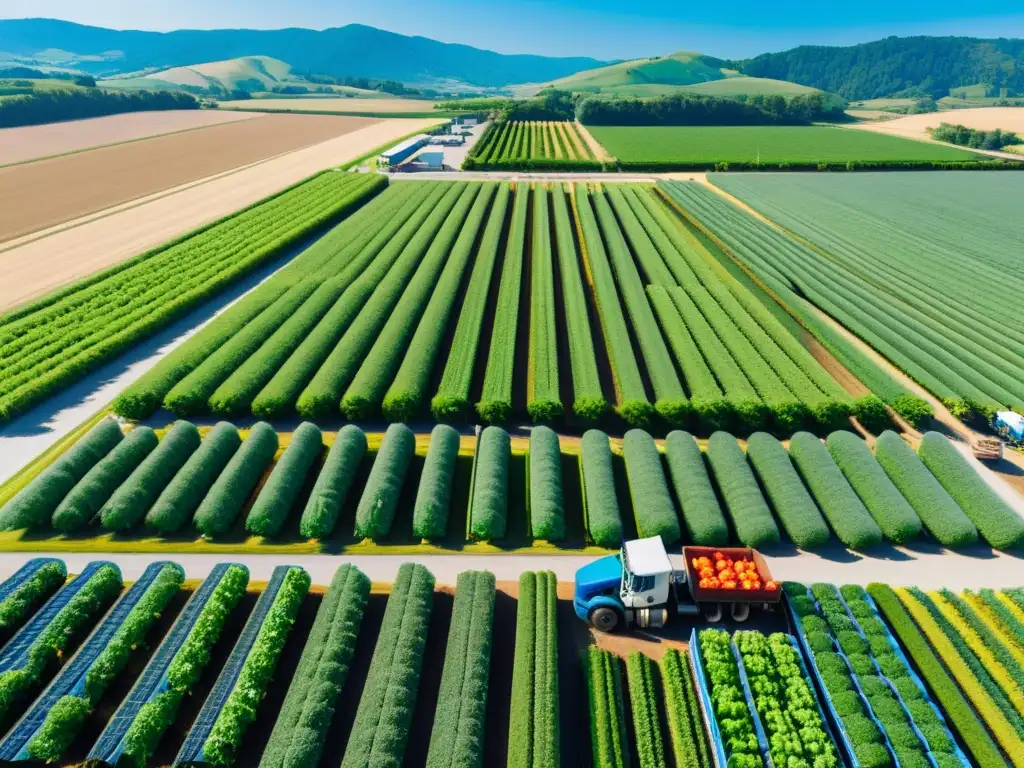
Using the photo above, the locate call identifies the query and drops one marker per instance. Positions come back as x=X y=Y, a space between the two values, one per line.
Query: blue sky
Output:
x=601 y=28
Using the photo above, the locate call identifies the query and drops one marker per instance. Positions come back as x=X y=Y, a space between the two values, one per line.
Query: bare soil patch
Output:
x=37 y=195
x=46 y=260
x=31 y=142
x=981 y=119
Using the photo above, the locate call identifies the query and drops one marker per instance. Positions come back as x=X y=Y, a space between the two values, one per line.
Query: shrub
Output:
x=381 y=726
x=895 y=517
x=600 y=501
x=333 y=483
x=181 y=498
x=940 y=514
x=652 y=504
x=1001 y=526
x=89 y=495
x=220 y=509
x=702 y=514
x=300 y=731
x=34 y=505
x=434 y=495
x=281 y=491
x=750 y=515
x=488 y=508
x=790 y=499
x=546 y=508
x=19 y=604
x=846 y=513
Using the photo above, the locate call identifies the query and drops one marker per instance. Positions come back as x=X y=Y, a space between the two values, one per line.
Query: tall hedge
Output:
x=702 y=513
x=938 y=511
x=600 y=501
x=377 y=506
x=279 y=494
x=488 y=510
x=129 y=504
x=846 y=513
x=652 y=502
x=751 y=517
x=333 y=483
x=793 y=504
x=894 y=515
x=181 y=498
x=92 y=491
x=1001 y=525
x=230 y=492
x=546 y=505
x=35 y=504
x=434 y=495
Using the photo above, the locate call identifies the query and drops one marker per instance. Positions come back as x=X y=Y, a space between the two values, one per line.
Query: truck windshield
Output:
x=637 y=584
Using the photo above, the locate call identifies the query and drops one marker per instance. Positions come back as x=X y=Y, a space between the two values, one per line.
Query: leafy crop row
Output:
x=543 y=402
x=641 y=672
x=279 y=494
x=488 y=506
x=652 y=502
x=682 y=711
x=607 y=715
x=333 y=483
x=751 y=517
x=728 y=702
x=546 y=507
x=19 y=605
x=379 y=502
x=600 y=502
x=513 y=145
x=702 y=514
x=220 y=508
x=434 y=495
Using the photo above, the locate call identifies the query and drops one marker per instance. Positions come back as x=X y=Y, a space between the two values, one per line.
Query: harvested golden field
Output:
x=32 y=142
x=981 y=119
x=341 y=106
x=36 y=264
x=34 y=196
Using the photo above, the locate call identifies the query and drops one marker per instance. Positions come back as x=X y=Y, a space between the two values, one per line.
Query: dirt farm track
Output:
x=47 y=192
x=34 y=264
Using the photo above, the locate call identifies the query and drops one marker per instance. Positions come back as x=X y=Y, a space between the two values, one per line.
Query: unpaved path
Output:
x=596 y=147
x=34 y=196
x=32 y=142
x=47 y=260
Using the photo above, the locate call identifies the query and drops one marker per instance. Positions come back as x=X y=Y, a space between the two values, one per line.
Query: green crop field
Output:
x=692 y=146
x=917 y=266
x=538 y=144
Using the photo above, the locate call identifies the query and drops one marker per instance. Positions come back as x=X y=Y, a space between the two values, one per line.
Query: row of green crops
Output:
x=19 y=605
x=533 y=740
x=607 y=713
x=645 y=701
x=53 y=342
x=380 y=730
x=682 y=711
x=729 y=706
x=512 y=145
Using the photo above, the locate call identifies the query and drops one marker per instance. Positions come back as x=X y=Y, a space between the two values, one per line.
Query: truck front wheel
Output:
x=605 y=619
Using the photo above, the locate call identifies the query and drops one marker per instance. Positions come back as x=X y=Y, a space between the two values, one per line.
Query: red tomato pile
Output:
x=722 y=572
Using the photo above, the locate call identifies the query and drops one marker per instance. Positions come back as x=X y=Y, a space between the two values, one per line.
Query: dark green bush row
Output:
x=600 y=502
x=377 y=505
x=702 y=514
x=129 y=504
x=18 y=606
x=546 y=508
x=300 y=732
x=221 y=507
x=279 y=494
x=35 y=504
x=434 y=495
x=333 y=483
x=751 y=517
x=652 y=503
x=488 y=506
x=381 y=726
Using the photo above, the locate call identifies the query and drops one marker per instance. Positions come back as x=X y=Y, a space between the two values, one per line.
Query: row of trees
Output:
x=696 y=109
x=975 y=139
x=54 y=106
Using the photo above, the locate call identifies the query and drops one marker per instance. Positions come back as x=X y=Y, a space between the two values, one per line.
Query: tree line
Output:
x=975 y=139
x=698 y=109
x=54 y=106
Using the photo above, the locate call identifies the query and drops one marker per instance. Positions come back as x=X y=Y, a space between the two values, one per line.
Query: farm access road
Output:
x=923 y=566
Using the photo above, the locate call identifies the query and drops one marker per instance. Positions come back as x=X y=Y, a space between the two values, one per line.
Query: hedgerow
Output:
x=546 y=508
x=89 y=495
x=434 y=495
x=790 y=499
x=19 y=605
x=1001 y=526
x=597 y=480
x=128 y=505
x=702 y=513
x=751 y=517
x=652 y=502
x=846 y=513
x=495 y=404
x=457 y=737
x=607 y=713
x=682 y=711
x=35 y=504
x=242 y=705
x=221 y=507
x=279 y=494
x=379 y=502
x=300 y=731
x=941 y=515
x=643 y=695
x=533 y=730
x=381 y=726
x=543 y=402
x=333 y=483
x=894 y=515
x=488 y=504
x=181 y=498
x=631 y=401
x=64 y=721
x=452 y=398
x=404 y=397
x=364 y=395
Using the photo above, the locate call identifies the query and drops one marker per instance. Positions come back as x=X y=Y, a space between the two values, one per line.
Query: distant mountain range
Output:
x=894 y=66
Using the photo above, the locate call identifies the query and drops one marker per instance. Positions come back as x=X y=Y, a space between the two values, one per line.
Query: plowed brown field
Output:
x=34 y=196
